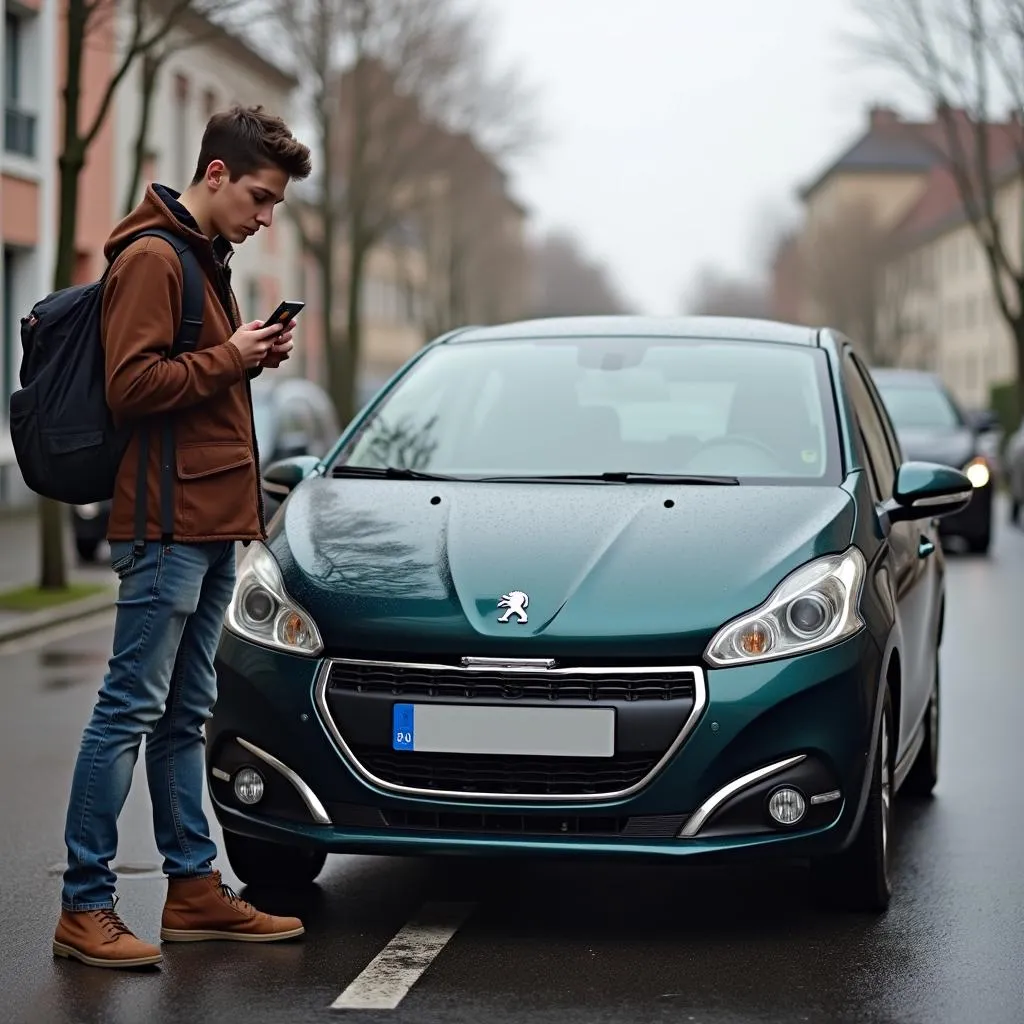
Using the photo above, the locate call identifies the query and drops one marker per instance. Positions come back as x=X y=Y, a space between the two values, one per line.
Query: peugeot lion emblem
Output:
x=515 y=602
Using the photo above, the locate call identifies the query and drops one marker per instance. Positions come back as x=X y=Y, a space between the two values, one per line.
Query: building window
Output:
x=19 y=124
x=209 y=103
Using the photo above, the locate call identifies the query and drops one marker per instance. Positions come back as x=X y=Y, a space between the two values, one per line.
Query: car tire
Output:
x=924 y=773
x=257 y=862
x=86 y=549
x=859 y=878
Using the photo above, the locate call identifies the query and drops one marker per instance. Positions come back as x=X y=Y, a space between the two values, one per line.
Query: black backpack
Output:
x=67 y=445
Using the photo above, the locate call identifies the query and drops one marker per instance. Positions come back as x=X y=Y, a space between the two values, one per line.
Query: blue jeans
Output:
x=160 y=684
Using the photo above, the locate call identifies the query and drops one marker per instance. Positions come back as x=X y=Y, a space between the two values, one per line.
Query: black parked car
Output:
x=932 y=427
x=293 y=417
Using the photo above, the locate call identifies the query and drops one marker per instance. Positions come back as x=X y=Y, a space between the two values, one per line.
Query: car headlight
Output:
x=814 y=606
x=977 y=472
x=261 y=609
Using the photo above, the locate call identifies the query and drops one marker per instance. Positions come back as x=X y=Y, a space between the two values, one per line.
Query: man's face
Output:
x=238 y=209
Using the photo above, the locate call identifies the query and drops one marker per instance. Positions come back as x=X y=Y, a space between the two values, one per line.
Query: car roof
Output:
x=724 y=328
x=912 y=378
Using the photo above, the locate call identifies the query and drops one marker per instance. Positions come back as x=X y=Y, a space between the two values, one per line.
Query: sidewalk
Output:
x=20 y=564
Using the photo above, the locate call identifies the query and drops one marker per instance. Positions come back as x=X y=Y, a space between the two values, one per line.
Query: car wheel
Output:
x=859 y=877
x=924 y=774
x=257 y=862
x=86 y=549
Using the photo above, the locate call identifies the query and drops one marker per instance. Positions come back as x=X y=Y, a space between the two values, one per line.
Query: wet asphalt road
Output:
x=565 y=942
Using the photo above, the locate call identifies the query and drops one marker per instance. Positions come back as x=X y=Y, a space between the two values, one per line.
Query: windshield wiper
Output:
x=621 y=477
x=389 y=473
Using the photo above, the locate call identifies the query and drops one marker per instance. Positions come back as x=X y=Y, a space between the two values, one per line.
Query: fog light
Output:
x=249 y=786
x=787 y=805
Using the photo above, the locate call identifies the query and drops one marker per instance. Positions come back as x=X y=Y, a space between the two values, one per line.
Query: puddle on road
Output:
x=63 y=659
x=88 y=667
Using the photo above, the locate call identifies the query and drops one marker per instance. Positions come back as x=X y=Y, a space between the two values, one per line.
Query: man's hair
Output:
x=248 y=139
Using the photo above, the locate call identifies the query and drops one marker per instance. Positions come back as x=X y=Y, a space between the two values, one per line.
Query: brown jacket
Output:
x=217 y=492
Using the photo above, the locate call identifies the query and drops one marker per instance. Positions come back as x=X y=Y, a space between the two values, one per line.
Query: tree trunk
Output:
x=150 y=73
x=348 y=356
x=52 y=520
x=1018 y=337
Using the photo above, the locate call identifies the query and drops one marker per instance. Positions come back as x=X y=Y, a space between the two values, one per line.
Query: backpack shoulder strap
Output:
x=193 y=290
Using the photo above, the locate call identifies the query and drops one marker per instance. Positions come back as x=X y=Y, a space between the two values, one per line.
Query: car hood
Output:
x=946 y=447
x=414 y=568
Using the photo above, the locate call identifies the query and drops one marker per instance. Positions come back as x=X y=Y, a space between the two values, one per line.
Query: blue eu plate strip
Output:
x=403 y=731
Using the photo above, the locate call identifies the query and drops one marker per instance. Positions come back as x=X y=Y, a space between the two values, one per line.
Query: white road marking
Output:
x=388 y=978
x=61 y=631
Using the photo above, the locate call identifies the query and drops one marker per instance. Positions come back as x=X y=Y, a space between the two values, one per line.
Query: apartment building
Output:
x=941 y=284
x=934 y=306
x=31 y=61
x=207 y=70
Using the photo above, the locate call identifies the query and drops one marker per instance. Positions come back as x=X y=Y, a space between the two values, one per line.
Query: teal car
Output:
x=608 y=587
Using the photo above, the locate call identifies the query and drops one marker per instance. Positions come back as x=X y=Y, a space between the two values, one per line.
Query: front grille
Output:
x=442 y=681
x=490 y=773
x=655 y=708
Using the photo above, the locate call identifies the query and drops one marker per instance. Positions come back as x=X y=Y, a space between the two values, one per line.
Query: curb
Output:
x=33 y=622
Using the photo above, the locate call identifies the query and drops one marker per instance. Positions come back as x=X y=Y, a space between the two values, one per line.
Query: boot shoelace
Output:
x=112 y=924
x=233 y=898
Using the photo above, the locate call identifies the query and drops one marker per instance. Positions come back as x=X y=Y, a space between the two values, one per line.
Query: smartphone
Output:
x=284 y=313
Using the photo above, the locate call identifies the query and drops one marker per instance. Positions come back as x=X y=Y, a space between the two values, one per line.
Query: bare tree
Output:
x=392 y=83
x=718 y=294
x=209 y=19
x=842 y=268
x=565 y=282
x=961 y=54
x=87 y=22
x=470 y=236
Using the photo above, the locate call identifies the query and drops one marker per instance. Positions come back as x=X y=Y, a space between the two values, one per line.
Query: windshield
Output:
x=916 y=408
x=531 y=408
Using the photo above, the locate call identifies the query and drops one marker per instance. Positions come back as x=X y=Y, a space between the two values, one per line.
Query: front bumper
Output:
x=808 y=721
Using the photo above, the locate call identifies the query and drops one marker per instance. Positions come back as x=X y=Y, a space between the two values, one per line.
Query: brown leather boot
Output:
x=204 y=908
x=100 y=938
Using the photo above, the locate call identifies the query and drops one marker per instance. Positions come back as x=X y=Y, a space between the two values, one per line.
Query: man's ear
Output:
x=216 y=174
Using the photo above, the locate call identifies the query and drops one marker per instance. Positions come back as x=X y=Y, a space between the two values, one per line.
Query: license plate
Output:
x=543 y=732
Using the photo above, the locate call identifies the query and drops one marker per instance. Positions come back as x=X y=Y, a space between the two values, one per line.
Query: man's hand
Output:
x=255 y=342
x=281 y=350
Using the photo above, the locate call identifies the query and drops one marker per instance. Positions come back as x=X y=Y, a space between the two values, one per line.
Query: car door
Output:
x=911 y=552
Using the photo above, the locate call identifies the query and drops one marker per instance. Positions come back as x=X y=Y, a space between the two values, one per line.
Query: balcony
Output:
x=19 y=132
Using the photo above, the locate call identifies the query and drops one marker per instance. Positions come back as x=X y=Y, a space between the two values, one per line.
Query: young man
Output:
x=160 y=682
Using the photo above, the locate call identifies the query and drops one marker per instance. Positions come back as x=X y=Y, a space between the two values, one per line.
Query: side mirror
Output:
x=927 y=490
x=282 y=477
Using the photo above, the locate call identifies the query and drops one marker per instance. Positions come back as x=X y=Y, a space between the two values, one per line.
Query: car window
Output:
x=594 y=405
x=917 y=407
x=882 y=466
x=882 y=409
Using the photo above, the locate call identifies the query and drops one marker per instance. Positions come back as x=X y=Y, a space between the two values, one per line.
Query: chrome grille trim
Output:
x=700 y=700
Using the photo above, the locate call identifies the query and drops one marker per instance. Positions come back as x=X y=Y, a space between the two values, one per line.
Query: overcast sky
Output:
x=675 y=127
